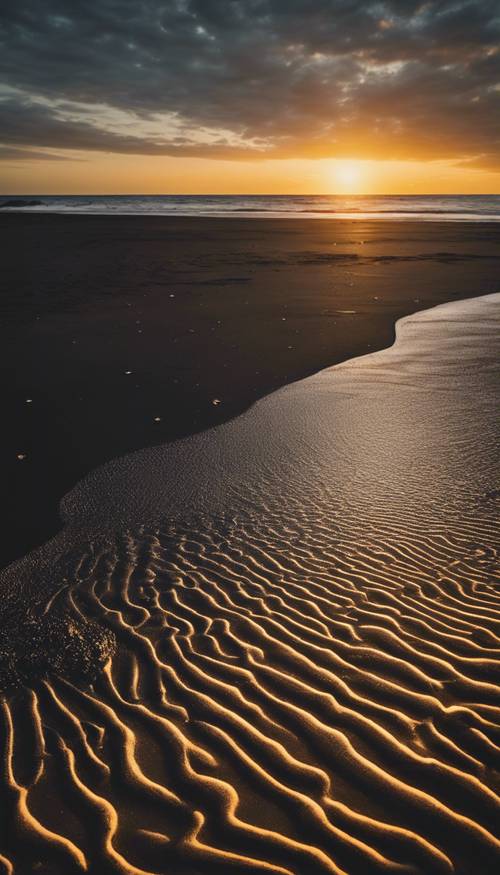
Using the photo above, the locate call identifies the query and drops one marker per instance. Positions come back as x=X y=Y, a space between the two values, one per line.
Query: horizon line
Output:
x=251 y=194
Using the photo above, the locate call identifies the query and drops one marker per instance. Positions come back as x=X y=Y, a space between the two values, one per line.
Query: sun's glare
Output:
x=347 y=176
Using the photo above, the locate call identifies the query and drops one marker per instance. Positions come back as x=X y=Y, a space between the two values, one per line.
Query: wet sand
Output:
x=199 y=312
x=299 y=626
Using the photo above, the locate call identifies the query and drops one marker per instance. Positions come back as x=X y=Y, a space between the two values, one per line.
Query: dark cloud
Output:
x=12 y=153
x=253 y=78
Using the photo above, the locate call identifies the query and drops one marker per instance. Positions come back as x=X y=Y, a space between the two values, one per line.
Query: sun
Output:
x=347 y=176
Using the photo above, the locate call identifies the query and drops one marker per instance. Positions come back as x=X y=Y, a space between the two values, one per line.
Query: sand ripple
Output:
x=302 y=679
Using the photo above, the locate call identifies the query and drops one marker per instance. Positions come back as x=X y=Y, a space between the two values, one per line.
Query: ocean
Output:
x=422 y=207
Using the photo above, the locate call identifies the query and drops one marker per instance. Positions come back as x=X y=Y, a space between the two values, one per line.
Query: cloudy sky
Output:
x=213 y=84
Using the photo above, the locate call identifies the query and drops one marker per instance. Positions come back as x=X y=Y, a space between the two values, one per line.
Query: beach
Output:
x=121 y=332
x=252 y=622
x=273 y=646
x=249 y=443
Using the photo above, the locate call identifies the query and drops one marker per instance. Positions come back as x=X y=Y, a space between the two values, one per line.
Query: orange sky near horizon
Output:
x=100 y=173
x=254 y=96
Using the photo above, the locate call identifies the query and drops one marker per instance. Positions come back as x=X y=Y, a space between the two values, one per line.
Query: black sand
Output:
x=207 y=315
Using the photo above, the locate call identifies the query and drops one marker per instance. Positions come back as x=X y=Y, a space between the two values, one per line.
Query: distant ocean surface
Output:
x=424 y=207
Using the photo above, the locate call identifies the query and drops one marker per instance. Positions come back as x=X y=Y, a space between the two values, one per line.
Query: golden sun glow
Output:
x=347 y=177
x=91 y=173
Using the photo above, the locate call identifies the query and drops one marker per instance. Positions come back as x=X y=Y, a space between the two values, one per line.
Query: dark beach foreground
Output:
x=272 y=648
x=120 y=333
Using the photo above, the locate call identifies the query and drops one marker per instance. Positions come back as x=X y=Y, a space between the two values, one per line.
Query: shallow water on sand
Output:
x=299 y=618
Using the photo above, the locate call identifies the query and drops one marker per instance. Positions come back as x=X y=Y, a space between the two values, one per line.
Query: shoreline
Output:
x=199 y=311
x=200 y=479
x=343 y=207
x=262 y=215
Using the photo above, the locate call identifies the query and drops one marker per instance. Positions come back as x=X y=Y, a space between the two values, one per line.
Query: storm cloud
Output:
x=252 y=78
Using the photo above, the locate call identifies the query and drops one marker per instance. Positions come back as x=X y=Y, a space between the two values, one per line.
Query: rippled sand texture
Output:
x=307 y=622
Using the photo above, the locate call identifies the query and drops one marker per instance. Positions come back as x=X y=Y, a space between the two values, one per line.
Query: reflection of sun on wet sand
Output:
x=298 y=630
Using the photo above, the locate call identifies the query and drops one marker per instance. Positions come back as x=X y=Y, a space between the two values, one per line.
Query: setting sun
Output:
x=347 y=176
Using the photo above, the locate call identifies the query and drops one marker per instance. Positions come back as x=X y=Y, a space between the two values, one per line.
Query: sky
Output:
x=230 y=96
